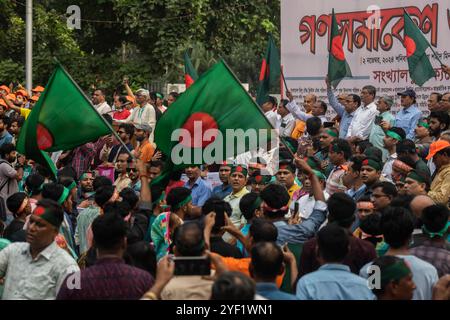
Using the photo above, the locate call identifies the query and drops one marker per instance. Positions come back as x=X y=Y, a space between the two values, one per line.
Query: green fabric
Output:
x=270 y=72
x=219 y=99
x=413 y=175
x=62 y=119
x=394 y=135
x=190 y=74
x=296 y=249
x=394 y=272
x=160 y=234
x=331 y=133
x=338 y=67
x=63 y=196
x=182 y=203
x=423 y=124
x=420 y=68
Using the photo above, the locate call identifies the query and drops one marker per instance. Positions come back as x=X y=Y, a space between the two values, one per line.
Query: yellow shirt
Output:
x=25 y=112
x=299 y=129
x=440 y=187
x=291 y=191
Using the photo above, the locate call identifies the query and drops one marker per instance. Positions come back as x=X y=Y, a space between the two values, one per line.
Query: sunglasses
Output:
x=131 y=169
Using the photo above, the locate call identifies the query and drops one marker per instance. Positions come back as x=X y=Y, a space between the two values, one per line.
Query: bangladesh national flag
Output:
x=62 y=119
x=214 y=103
x=338 y=67
x=270 y=71
x=420 y=69
x=190 y=75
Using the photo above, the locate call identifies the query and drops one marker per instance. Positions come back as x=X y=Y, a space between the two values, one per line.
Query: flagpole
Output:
x=437 y=57
x=92 y=106
x=259 y=109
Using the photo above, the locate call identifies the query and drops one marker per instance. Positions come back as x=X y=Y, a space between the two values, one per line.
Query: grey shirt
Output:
x=34 y=279
x=7 y=172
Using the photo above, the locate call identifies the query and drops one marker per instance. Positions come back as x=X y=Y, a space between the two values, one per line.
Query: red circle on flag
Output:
x=197 y=125
x=410 y=46
x=44 y=137
x=336 y=48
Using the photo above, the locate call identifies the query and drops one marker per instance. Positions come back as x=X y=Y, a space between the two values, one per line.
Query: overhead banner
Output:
x=373 y=44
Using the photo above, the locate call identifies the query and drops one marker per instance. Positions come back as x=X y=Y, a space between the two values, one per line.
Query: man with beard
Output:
x=224 y=175
x=370 y=174
x=9 y=177
x=439 y=122
x=145 y=149
x=85 y=192
x=327 y=136
x=123 y=180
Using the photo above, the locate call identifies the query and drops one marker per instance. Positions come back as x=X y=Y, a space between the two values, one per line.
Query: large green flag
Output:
x=218 y=119
x=269 y=74
x=420 y=69
x=62 y=119
x=338 y=67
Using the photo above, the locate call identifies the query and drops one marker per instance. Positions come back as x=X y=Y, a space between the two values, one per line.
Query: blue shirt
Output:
x=356 y=194
x=270 y=291
x=333 y=282
x=300 y=233
x=222 y=192
x=407 y=120
x=201 y=191
x=346 y=118
x=6 y=138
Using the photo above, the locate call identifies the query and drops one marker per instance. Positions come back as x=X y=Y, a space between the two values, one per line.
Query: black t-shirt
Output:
x=14 y=232
x=219 y=246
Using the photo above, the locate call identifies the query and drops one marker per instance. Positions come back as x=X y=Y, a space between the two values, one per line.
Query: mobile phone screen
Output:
x=192 y=266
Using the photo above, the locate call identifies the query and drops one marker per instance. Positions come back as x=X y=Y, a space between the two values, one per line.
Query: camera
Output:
x=192 y=266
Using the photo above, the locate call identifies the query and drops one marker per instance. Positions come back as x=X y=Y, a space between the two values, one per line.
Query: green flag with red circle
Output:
x=420 y=69
x=269 y=74
x=215 y=103
x=338 y=67
x=62 y=119
x=190 y=75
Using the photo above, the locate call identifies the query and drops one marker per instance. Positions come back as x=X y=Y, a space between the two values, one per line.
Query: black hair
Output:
x=174 y=94
x=156 y=163
x=100 y=181
x=246 y=205
x=175 y=175
x=435 y=217
x=5 y=119
x=399 y=131
x=65 y=181
x=220 y=207
x=445 y=151
x=363 y=145
x=344 y=147
x=233 y=285
x=19 y=119
x=387 y=188
x=68 y=171
x=357 y=163
x=129 y=158
x=313 y=125
x=341 y=208
x=176 y=195
x=356 y=99
x=52 y=191
x=272 y=100
x=108 y=118
x=374 y=153
x=109 y=230
x=284 y=103
x=128 y=127
x=383 y=263
x=371 y=90
x=156 y=191
x=275 y=196
x=442 y=117
x=263 y=230
x=333 y=243
x=188 y=240
x=406 y=146
x=117 y=207
x=438 y=95
x=323 y=105
x=54 y=209
x=14 y=202
x=267 y=260
x=6 y=149
x=403 y=201
x=371 y=225
x=129 y=196
x=397 y=225
x=141 y=255
x=103 y=194
x=407 y=160
x=33 y=184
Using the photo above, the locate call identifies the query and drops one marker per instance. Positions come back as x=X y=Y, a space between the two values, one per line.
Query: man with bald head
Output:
x=300 y=126
x=417 y=205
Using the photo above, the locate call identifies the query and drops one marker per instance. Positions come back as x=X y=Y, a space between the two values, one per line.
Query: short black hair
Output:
x=103 y=194
x=130 y=197
x=313 y=125
x=356 y=163
x=323 y=105
x=371 y=226
x=445 y=151
x=442 y=117
x=343 y=146
x=371 y=89
x=406 y=146
x=188 y=240
x=176 y=195
x=174 y=94
x=233 y=285
x=129 y=158
x=407 y=160
x=117 y=207
x=438 y=95
x=374 y=153
x=52 y=191
x=267 y=260
x=141 y=255
x=387 y=188
x=220 y=207
x=399 y=131
x=363 y=145
x=156 y=163
x=6 y=149
x=356 y=99
x=100 y=181
x=108 y=118
x=263 y=230
x=128 y=127
x=65 y=181
x=33 y=184
x=246 y=205
x=54 y=209
x=341 y=208
x=109 y=230
x=397 y=225
x=175 y=175
x=275 y=196
x=14 y=202
x=333 y=243
x=435 y=217
x=403 y=201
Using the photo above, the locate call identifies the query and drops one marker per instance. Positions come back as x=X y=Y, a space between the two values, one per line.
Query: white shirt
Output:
x=387 y=169
x=362 y=121
x=306 y=205
x=294 y=109
x=103 y=107
x=34 y=279
x=269 y=158
x=274 y=118
x=287 y=125
x=145 y=114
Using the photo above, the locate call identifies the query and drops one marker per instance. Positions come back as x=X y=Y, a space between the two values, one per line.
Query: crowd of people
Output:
x=352 y=208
